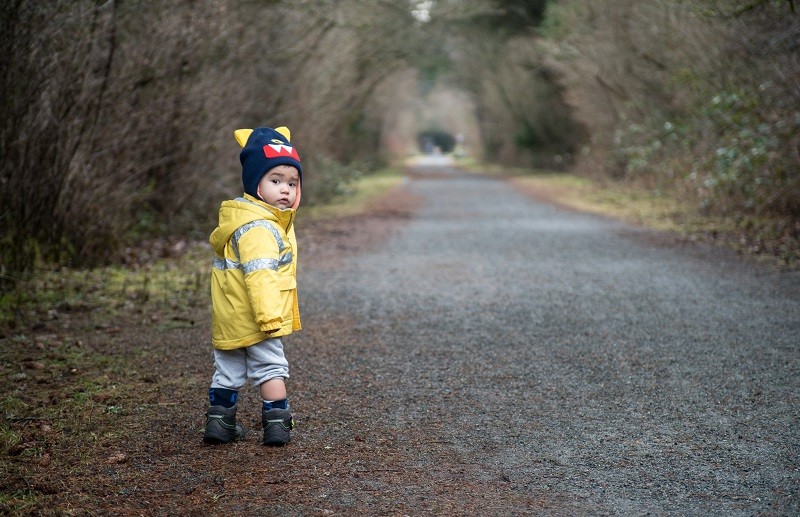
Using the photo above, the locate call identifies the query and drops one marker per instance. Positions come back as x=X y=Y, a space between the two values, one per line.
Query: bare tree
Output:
x=119 y=114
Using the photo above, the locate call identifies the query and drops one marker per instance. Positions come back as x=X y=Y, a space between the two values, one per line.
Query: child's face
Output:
x=278 y=187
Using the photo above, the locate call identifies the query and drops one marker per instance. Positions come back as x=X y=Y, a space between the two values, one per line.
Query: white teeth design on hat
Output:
x=283 y=150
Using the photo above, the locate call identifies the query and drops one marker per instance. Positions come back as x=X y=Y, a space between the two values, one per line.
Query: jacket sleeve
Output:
x=259 y=255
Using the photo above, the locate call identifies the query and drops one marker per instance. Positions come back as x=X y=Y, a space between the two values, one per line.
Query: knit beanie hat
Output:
x=262 y=149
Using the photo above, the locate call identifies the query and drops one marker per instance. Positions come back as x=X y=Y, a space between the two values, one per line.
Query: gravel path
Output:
x=511 y=357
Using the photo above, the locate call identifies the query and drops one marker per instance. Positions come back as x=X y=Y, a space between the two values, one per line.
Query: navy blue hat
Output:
x=262 y=149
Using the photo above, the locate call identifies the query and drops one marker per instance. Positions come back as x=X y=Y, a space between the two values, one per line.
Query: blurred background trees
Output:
x=118 y=115
x=698 y=99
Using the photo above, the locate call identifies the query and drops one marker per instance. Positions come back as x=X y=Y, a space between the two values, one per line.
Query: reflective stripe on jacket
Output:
x=253 y=276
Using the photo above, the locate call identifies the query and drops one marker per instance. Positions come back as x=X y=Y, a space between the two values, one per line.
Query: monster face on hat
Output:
x=262 y=149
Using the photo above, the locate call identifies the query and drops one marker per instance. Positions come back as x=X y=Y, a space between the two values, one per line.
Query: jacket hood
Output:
x=240 y=211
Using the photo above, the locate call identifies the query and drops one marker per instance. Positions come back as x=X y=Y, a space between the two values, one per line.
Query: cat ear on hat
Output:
x=241 y=136
x=283 y=130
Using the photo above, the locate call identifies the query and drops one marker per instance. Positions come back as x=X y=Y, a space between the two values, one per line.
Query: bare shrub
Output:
x=700 y=97
x=56 y=76
x=119 y=115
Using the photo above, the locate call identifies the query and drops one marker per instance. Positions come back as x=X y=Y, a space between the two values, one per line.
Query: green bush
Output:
x=325 y=179
x=736 y=147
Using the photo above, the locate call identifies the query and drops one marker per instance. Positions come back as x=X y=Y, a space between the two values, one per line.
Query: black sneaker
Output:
x=277 y=426
x=221 y=426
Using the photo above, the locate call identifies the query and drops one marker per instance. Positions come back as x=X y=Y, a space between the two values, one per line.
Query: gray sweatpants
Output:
x=259 y=363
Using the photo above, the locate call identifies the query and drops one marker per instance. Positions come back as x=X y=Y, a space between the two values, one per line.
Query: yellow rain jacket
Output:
x=253 y=278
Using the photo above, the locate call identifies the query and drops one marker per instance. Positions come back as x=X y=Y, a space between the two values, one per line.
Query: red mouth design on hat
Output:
x=278 y=150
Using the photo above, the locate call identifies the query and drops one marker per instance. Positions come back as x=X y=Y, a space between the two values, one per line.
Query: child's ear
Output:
x=241 y=136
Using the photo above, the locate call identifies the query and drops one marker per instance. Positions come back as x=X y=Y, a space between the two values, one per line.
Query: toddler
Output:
x=253 y=287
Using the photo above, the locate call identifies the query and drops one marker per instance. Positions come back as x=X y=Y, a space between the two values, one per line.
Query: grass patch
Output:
x=360 y=194
x=634 y=205
x=17 y=502
x=60 y=397
x=9 y=438
x=103 y=293
x=767 y=239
